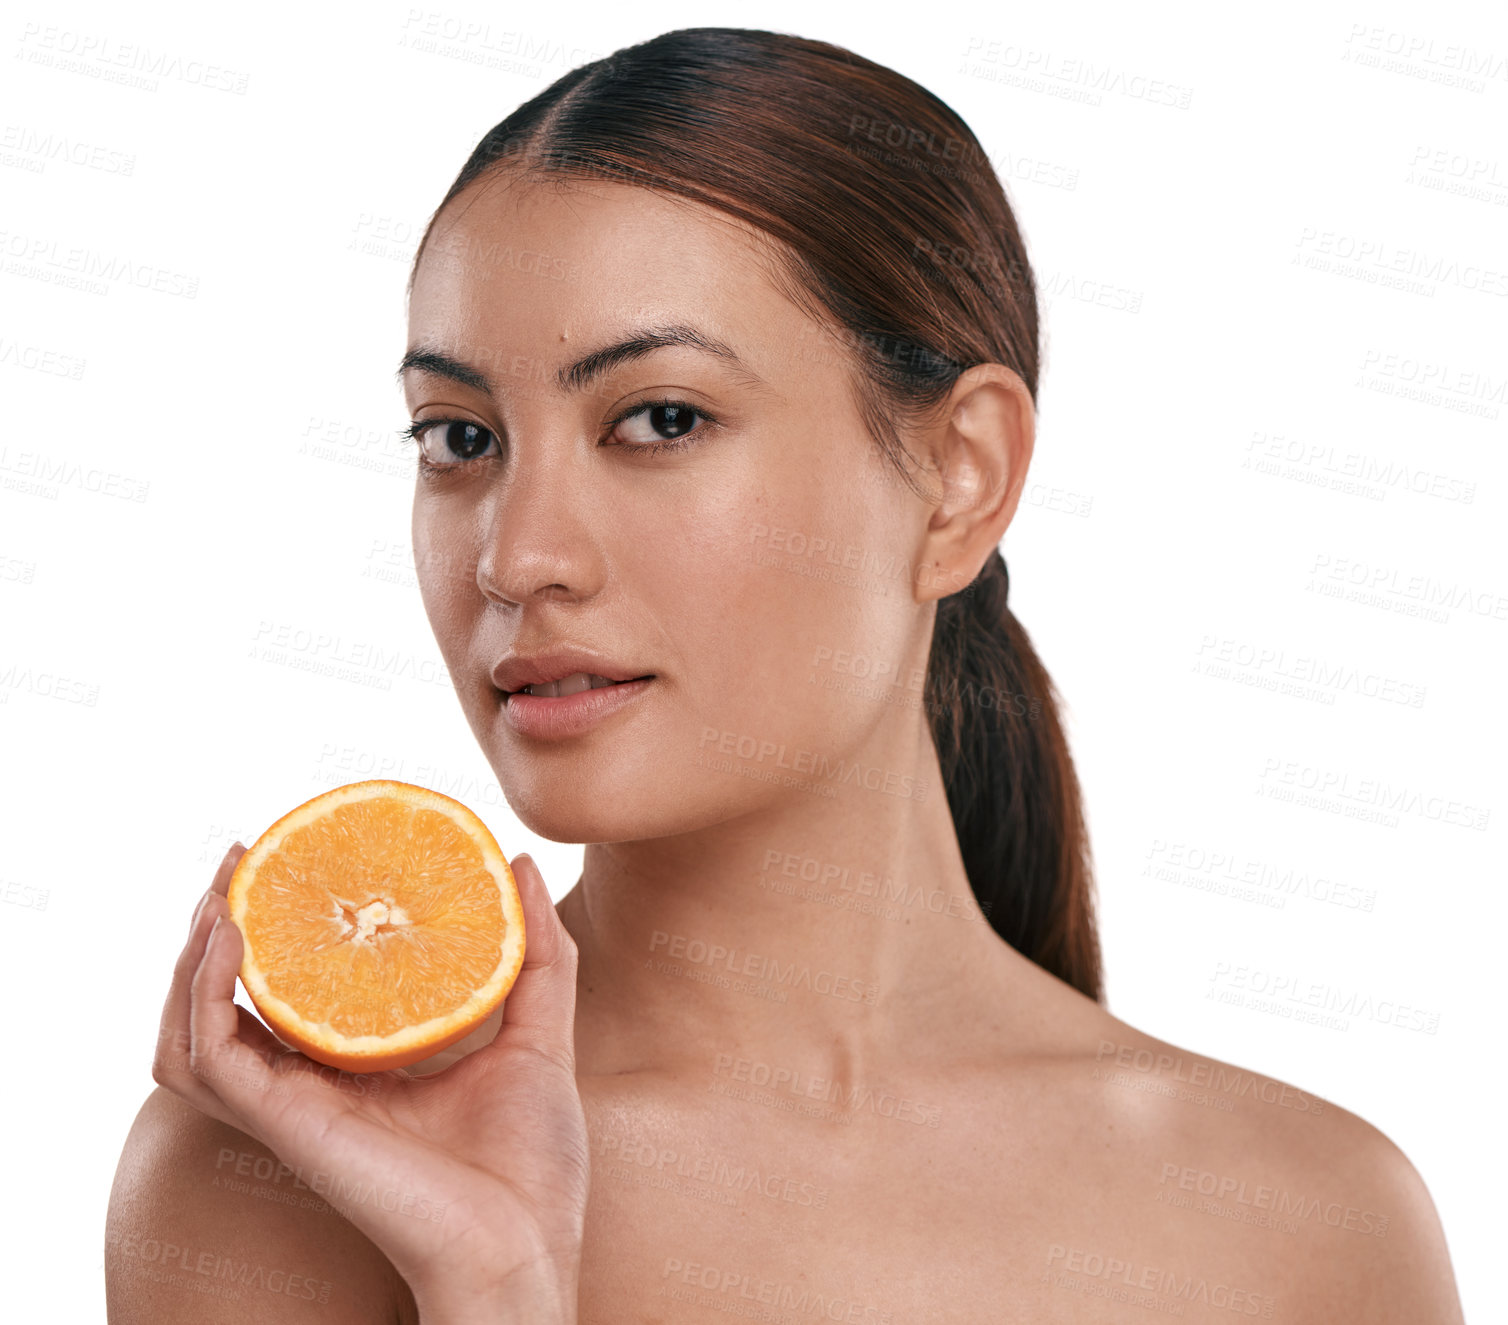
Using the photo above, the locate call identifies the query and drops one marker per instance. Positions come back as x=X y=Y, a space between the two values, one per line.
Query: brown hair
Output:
x=895 y=233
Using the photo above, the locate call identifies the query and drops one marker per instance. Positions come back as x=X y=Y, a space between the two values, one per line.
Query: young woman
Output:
x=722 y=364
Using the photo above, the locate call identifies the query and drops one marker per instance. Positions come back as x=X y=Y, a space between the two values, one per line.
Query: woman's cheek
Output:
x=445 y=566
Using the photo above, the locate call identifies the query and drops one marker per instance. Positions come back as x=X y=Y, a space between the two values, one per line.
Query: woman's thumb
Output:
x=540 y=1010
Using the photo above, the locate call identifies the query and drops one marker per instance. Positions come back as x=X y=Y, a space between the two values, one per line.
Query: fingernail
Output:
x=199 y=909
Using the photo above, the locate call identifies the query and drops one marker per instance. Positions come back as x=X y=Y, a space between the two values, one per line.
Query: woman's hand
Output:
x=496 y=1143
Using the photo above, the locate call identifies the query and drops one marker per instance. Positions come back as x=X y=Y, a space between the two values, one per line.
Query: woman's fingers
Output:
x=238 y=1074
x=260 y=1038
x=178 y=992
x=540 y=1010
x=199 y=1055
x=171 y=1064
x=221 y=882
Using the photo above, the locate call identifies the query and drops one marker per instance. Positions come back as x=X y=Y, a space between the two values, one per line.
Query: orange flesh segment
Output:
x=382 y=897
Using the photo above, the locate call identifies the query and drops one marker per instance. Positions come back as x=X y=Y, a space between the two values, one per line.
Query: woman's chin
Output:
x=570 y=816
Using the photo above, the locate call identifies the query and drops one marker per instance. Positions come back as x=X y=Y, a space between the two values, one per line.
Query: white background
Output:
x=223 y=467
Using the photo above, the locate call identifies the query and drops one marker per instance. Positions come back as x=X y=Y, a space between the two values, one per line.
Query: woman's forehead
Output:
x=567 y=230
x=542 y=273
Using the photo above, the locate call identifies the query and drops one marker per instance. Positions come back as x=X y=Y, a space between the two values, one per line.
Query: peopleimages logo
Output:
x=1217 y=1077
x=715 y=1169
x=770 y=969
x=1277 y=1201
x=339 y=1193
x=813 y=762
x=782 y=1080
x=1179 y=1287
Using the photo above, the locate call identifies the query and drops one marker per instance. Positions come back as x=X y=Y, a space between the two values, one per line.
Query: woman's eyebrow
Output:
x=579 y=375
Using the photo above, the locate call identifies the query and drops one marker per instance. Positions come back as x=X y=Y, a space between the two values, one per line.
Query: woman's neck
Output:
x=833 y=935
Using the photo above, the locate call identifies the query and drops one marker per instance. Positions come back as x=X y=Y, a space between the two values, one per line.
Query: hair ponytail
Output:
x=1011 y=781
x=894 y=233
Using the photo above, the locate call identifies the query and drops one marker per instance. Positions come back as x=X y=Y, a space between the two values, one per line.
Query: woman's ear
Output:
x=980 y=452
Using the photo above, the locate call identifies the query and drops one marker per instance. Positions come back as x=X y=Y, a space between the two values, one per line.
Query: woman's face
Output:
x=755 y=572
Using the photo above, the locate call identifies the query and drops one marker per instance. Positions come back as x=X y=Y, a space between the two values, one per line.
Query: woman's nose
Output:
x=537 y=535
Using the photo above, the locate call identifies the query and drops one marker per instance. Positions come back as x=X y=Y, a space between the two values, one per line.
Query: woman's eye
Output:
x=660 y=425
x=654 y=426
x=450 y=441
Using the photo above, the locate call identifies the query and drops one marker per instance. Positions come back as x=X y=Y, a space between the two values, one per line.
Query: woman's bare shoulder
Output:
x=206 y=1223
x=1310 y=1199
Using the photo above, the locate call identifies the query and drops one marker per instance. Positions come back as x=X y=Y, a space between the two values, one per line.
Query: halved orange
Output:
x=381 y=924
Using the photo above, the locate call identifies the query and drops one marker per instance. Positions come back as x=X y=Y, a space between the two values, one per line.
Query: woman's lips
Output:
x=554 y=717
x=576 y=681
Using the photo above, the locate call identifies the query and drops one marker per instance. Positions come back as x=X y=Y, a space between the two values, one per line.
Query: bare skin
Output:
x=901 y=1116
